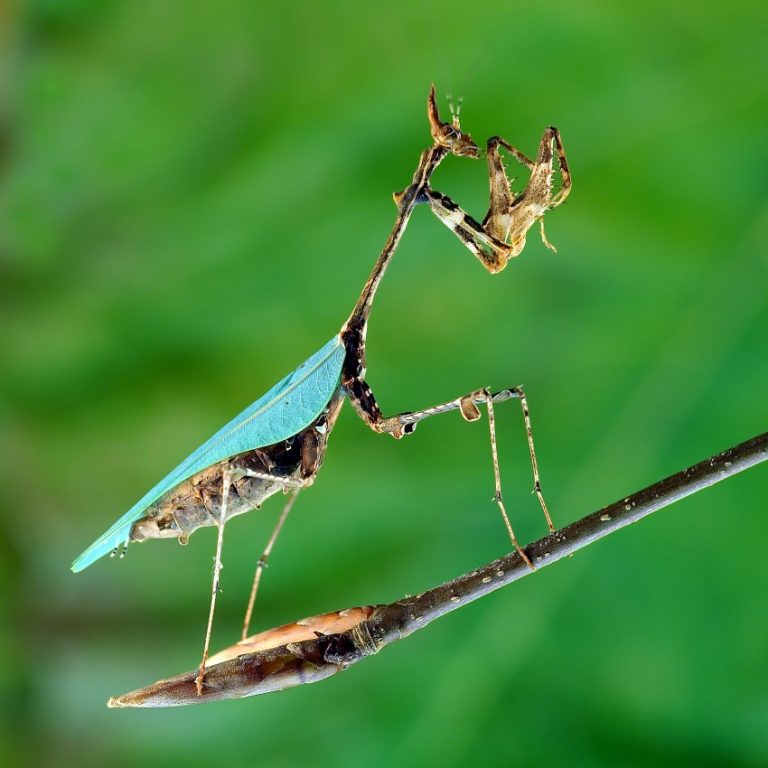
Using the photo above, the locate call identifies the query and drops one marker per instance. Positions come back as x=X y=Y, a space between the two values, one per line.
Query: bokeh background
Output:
x=192 y=196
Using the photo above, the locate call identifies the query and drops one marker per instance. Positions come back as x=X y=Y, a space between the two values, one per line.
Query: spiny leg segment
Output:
x=502 y=233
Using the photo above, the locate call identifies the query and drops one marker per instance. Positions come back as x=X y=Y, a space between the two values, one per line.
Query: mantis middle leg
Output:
x=365 y=404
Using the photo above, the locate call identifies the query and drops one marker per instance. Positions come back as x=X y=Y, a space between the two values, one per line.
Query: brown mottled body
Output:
x=196 y=502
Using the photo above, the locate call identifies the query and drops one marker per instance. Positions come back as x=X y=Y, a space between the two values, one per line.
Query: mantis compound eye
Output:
x=449 y=135
x=463 y=146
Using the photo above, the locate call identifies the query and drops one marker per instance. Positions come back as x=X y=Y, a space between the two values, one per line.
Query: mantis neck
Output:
x=406 y=201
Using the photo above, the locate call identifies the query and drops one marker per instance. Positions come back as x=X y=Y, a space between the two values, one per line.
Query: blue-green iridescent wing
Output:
x=290 y=406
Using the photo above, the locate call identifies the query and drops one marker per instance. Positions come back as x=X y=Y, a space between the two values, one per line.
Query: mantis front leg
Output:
x=502 y=233
x=365 y=404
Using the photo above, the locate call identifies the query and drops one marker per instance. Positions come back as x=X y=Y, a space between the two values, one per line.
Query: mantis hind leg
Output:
x=227 y=478
x=262 y=561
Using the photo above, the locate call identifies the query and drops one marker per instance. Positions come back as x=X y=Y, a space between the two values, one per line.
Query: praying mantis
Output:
x=278 y=443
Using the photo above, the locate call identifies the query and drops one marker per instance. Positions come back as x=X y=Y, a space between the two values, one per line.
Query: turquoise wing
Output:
x=290 y=406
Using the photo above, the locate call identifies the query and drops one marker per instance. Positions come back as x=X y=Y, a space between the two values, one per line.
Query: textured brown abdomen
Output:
x=197 y=501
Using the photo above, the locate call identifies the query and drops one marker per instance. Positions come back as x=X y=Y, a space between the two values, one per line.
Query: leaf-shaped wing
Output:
x=290 y=406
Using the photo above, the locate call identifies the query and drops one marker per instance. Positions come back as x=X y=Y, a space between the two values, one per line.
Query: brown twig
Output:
x=312 y=649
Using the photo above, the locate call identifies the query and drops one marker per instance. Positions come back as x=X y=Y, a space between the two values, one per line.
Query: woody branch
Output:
x=283 y=666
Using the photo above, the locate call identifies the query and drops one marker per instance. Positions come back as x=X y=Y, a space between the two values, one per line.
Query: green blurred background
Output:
x=192 y=196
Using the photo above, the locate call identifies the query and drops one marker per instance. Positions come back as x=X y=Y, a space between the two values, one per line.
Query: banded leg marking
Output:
x=492 y=252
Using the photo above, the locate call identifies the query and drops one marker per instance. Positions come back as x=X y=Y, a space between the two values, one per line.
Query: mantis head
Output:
x=449 y=135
